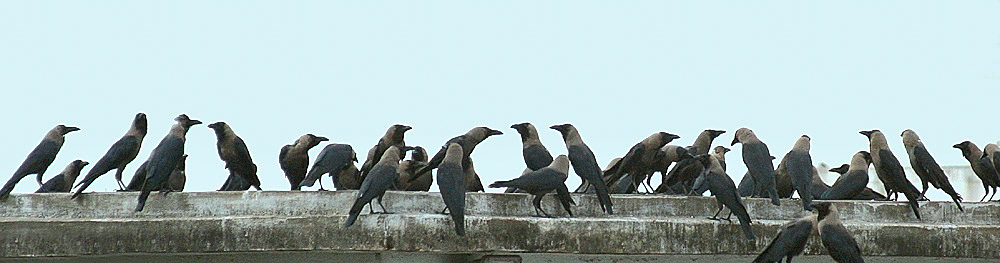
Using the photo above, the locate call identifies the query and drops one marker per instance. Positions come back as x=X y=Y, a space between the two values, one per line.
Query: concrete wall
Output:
x=208 y=223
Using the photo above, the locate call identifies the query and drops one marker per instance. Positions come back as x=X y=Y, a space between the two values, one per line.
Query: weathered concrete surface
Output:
x=243 y=222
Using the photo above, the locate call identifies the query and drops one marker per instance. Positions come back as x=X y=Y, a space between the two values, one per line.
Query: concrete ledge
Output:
x=205 y=223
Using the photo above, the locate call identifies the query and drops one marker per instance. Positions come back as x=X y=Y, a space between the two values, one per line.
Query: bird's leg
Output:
x=729 y=217
x=716 y=216
x=443 y=211
x=994 y=193
x=582 y=184
x=321 y=184
x=383 y=207
x=537 y=201
x=987 y=191
x=118 y=177
x=371 y=210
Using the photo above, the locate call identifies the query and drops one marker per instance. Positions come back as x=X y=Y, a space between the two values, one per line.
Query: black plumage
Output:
x=122 y=153
x=39 y=159
x=686 y=171
x=542 y=181
x=789 y=242
x=233 y=151
x=335 y=159
x=409 y=179
x=451 y=183
x=393 y=137
x=536 y=156
x=585 y=164
x=837 y=240
x=724 y=189
x=376 y=183
x=927 y=168
x=890 y=171
x=165 y=158
x=757 y=159
x=468 y=141
x=294 y=158
x=640 y=159
x=798 y=164
x=853 y=178
x=63 y=182
x=981 y=166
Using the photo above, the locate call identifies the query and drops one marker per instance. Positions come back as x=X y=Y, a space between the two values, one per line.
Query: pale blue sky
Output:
x=618 y=71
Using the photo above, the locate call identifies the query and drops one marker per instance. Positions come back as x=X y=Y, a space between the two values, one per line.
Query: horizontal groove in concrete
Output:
x=286 y=203
x=486 y=234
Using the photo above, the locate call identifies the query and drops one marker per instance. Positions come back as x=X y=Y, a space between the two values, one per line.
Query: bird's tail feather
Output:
x=911 y=197
x=459 y=218
x=142 y=200
x=602 y=195
x=499 y=184
x=354 y=213
x=7 y=188
x=82 y=186
x=744 y=217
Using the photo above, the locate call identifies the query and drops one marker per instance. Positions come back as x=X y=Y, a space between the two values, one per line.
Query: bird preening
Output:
x=685 y=170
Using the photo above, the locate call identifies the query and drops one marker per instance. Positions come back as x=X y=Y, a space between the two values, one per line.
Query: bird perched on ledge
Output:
x=40 y=158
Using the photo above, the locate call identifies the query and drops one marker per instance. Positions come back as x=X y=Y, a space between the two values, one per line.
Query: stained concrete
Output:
x=102 y=226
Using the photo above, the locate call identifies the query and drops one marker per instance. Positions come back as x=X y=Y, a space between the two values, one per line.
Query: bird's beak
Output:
x=407 y=128
x=492 y=132
x=866 y=133
x=322 y=139
x=957 y=145
x=559 y=127
x=85 y=163
x=71 y=129
x=735 y=141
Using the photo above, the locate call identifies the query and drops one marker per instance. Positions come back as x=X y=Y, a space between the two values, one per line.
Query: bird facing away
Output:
x=392 y=137
x=724 y=189
x=926 y=167
x=889 y=170
x=377 y=182
x=981 y=166
x=233 y=151
x=853 y=178
x=757 y=158
x=121 y=154
x=585 y=163
x=542 y=181
x=408 y=179
x=294 y=158
x=335 y=159
x=837 y=240
x=451 y=182
x=165 y=157
x=63 y=181
x=686 y=171
x=40 y=158
x=640 y=159
x=789 y=242
x=798 y=164
x=468 y=141
x=992 y=153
